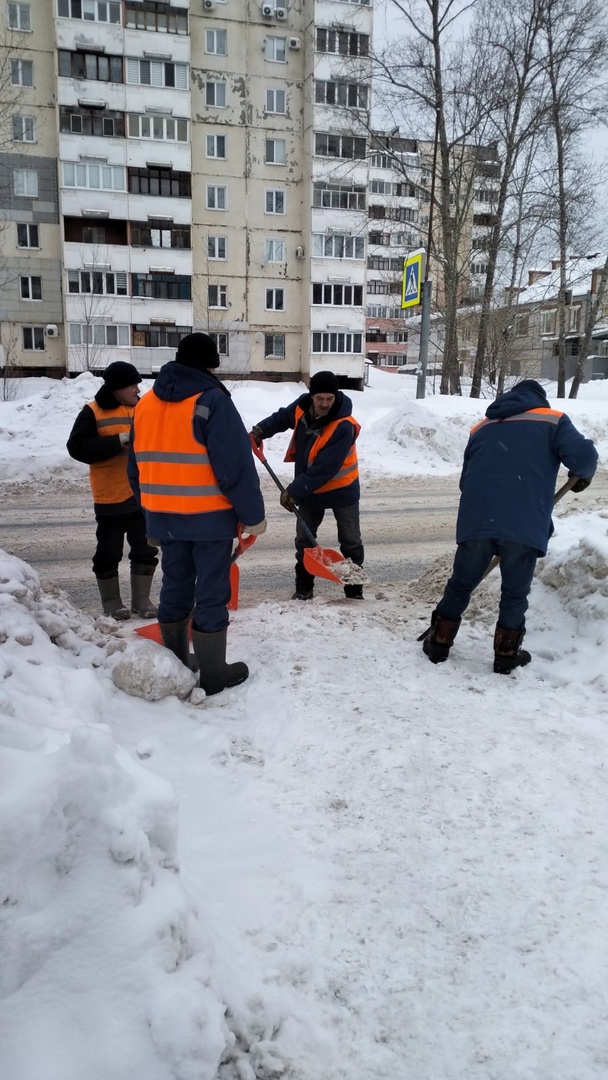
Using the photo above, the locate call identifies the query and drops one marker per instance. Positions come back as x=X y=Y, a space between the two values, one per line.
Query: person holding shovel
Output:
x=323 y=449
x=507 y=492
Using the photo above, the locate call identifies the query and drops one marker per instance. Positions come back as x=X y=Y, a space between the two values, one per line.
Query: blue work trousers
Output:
x=349 y=537
x=517 y=564
x=196 y=578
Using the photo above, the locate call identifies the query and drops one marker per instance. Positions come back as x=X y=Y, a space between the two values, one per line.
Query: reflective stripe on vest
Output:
x=348 y=471
x=175 y=474
x=109 y=482
x=550 y=416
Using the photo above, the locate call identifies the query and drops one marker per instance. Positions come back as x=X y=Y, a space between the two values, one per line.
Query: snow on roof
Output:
x=579 y=273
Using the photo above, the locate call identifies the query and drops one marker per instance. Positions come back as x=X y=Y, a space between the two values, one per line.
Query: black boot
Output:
x=439 y=638
x=141 y=583
x=109 y=590
x=305 y=584
x=215 y=673
x=353 y=592
x=175 y=638
x=508 y=653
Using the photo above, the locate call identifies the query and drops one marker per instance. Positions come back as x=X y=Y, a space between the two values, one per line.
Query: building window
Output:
x=378 y=262
x=337 y=343
x=547 y=322
x=216 y=42
x=216 y=247
x=275 y=299
x=350 y=94
x=158 y=336
x=329 y=246
x=393 y=213
x=275 y=101
x=22 y=73
x=97 y=333
x=159 y=235
x=479 y=268
x=275 y=201
x=107 y=11
x=93 y=234
x=215 y=94
x=160 y=128
x=162 y=286
x=275 y=152
x=79 y=121
x=338 y=295
x=342 y=42
x=216 y=146
x=26 y=182
x=339 y=196
x=19 y=17
x=217 y=296
x=90 y=65
x=274 y=346
x=221 y=342
x=96 y=177
x=157 y=73
x=24 y=129
x=276 y=49
x=164 y=182
x=156 y=16
x=97 y=282
x=30 y=288
x=27 y=236
x=275 y=250
x=33 y=338
x=339 y=146
x=522 y=325
x=216 y=197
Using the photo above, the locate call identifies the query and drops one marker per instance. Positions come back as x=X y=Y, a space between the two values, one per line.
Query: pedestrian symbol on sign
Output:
x=412 y=279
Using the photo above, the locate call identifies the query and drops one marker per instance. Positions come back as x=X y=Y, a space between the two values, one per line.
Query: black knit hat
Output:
x=198 y=351
x=324 y=382
x=120 y=374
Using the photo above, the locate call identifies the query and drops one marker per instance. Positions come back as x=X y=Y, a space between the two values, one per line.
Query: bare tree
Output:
x=594 y=312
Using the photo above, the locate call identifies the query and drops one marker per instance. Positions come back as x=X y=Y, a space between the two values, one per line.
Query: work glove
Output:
x=257 y=435
x=580 y=484
x=124 y=439
x=256 y=530
x=287 y=502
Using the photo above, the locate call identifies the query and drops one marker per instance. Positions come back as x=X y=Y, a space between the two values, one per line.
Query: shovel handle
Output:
x=258 y=450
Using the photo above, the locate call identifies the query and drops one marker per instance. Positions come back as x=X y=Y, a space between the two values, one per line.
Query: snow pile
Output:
x=150 y=671
x=577 y=565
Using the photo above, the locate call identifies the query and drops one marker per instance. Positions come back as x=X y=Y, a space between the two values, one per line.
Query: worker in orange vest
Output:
x=326 y=477
x=100 y=438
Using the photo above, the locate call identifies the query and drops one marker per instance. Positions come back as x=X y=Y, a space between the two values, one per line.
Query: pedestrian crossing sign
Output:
x=411 y=289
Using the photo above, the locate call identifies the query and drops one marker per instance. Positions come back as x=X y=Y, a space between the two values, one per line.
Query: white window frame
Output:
x=337 y=246
x=272 y=198
x=146 y=126
x=79 y=277
x=216 y=42
x=27 y=281
x=215 y=146
x=220 y=299
x=17 y=69
x=215 y=245
x=270 y=100
x=25 y=178
x=275 y=49
x=216 y=84
x=274 y=249
x=547 y=321
x=331 y=341
x=27 y=126
x=275 y=152
x=22 y=17
x=79 y=174
x=94 y=8
x=275 y=299
x=97 y=333
x=156 y=73
x=212 y=201
x=222 y=342
x=28 y=226
x=276 y=354
x=36 y=333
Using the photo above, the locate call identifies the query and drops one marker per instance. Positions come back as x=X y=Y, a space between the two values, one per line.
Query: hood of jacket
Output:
x=175 y=382
x=341 y=407
x=526 y=395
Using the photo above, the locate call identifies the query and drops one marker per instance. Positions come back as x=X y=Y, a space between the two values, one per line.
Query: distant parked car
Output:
x=408 y=369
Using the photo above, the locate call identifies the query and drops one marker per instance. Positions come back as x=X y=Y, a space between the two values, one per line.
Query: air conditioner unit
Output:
x=209 y=5
x=295 y=43
x=281 y=13
x=267 y=11
x=300 y=253
x=52 y=331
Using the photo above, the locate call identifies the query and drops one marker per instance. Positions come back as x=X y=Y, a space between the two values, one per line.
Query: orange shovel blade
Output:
x=319 y=561
x=233 y=603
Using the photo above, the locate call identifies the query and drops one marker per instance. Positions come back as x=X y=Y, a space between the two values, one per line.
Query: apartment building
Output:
x=175 y=166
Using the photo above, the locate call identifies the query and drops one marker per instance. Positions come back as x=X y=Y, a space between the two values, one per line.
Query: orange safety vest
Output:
x=109 y=482
x=550 y=416
x=349 y=470
x=175 y=474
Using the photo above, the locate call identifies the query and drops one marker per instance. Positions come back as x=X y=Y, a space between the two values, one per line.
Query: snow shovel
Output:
x=317 y=560
x=152 y=630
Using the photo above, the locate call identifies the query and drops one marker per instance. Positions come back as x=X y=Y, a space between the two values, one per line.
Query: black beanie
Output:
x=120 y=374
x=198 y=351
x=324 y=382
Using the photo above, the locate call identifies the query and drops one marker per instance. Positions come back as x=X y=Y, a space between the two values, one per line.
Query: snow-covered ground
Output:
x=356 y=865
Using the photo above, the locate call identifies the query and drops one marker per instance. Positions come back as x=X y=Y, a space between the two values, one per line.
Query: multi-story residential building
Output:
x=175 y=167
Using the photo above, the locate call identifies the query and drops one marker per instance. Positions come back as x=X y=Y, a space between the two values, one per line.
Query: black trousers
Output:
x=111 y=532
x=349 y=537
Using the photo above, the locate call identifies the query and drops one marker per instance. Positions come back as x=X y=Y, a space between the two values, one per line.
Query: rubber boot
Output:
x=141 y=583
x=305 y=584
x=215 y=673
x=353 y=592
x=440 y=637
x=176 y=638
x=508 y=653
x=109 y=590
